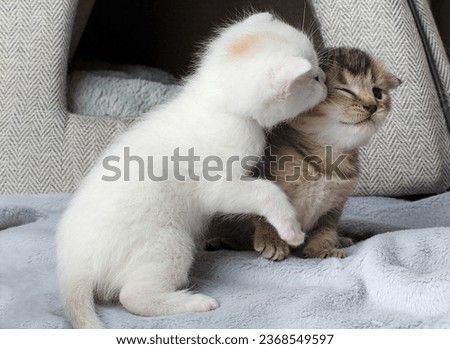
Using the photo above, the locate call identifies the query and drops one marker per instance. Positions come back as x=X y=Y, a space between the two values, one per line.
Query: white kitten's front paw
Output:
x=291 y=233
x=294 y=239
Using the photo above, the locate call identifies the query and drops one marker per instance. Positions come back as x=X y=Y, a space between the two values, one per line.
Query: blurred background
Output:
x=172 y=29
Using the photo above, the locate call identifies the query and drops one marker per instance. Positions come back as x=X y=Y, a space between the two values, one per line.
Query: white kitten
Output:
x=135 y=239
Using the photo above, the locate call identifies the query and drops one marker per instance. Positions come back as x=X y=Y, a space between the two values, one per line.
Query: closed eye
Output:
x=347 y=91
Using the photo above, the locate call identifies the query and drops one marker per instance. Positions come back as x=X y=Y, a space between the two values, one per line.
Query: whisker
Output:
x=304 y=16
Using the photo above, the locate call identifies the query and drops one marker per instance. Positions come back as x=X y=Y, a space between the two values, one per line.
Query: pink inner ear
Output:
x=286 y=73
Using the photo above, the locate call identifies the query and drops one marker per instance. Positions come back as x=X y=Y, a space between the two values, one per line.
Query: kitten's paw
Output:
x=275 y=250
x=344 y=241
x=292 y=233
x=325 y=253
x=200 y=303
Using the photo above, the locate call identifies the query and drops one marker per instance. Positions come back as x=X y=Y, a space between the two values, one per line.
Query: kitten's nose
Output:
x=371 y=108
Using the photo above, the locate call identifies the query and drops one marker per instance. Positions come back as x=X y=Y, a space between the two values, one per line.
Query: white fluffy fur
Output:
x=135 y=240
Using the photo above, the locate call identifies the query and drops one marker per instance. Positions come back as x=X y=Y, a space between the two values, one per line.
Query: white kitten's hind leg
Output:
x=143 y=299
x=261 y=197
x=154 y=279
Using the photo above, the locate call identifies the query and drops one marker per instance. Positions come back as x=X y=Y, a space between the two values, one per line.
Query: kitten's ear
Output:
x=283 y=76
x=392 y=81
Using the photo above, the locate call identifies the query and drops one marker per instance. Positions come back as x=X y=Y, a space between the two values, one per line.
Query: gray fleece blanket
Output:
x=398 y=277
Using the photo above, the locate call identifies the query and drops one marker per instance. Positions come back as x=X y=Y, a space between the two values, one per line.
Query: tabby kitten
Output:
x=301 y=153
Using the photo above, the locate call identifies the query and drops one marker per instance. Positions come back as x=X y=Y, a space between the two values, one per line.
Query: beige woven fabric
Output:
x=34 y=42
x=42 y=147
x=412 y=153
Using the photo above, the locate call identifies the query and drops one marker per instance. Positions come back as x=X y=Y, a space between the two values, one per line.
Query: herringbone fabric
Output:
x=42 y=147
x=411 y=155
x=34 y=39
x=438 y=52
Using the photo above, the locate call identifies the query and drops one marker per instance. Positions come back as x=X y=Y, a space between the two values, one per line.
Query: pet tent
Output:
x=45 y=148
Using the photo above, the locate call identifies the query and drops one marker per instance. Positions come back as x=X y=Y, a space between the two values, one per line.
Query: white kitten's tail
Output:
x=79 y=305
